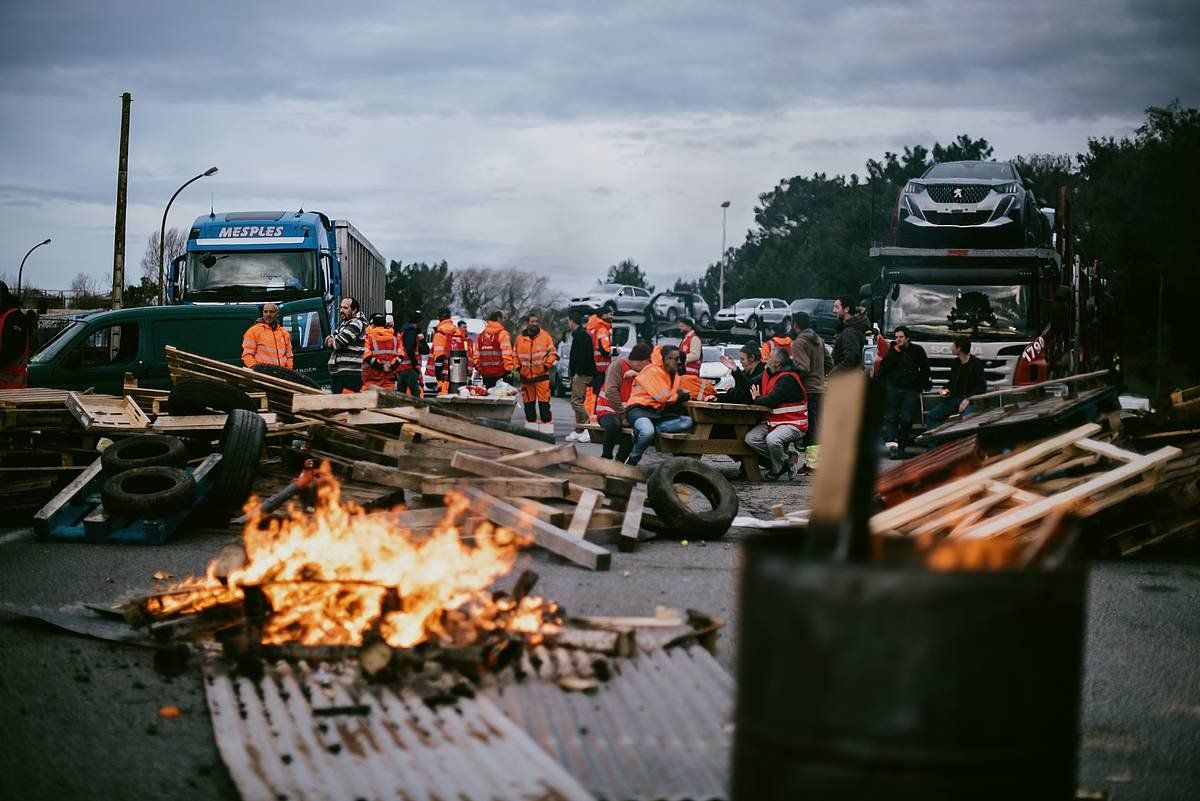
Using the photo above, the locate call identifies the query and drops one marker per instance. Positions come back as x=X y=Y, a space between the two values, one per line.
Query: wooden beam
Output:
x=540 y=457
x=502 y=487
x=583 y=513
x=43 y=520
x=480 y=435
x=633 y=517
x=550 y=537
x=388 y=476
x=609 y=467
x=367 y=399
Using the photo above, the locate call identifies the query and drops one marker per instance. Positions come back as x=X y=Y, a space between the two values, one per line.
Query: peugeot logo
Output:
x=958 y=193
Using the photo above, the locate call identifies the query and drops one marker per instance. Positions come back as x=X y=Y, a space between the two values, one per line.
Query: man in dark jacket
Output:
x=746 y=373
x=814 y=364
x=14 y=341
x=904 y=372
x=852 y=336
x=782 y=393
x=966 y=379
x=582 y=370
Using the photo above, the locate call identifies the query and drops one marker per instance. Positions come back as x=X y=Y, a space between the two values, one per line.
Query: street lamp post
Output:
x=162 y=235
x=721 y=289
x=22 y=267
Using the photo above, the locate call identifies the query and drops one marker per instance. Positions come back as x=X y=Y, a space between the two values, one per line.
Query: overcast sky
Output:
x=560 y=138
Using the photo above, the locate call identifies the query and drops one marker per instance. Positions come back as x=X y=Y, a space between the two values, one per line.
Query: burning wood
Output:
x=349 y=580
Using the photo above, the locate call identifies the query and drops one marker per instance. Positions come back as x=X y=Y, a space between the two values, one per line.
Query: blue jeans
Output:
x=938 y=414
x=900 y=412
x=645 y=427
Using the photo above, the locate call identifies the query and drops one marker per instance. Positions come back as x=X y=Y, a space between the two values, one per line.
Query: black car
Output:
x=980 y=204
x=820 y=316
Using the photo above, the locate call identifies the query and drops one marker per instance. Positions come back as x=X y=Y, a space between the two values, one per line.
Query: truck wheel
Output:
x=275 y=371
x=199 y=395
x=682 y=519
x=145 y=493
x=143 y=450
x=241 y=446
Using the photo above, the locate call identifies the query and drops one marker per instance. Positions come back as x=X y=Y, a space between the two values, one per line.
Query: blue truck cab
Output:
x=258 y=256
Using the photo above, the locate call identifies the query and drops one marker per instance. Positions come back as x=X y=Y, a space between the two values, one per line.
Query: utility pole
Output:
x=118 y=290
x=721 y=289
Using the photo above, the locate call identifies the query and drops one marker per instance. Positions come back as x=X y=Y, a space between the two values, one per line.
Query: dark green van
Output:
x=96 y=350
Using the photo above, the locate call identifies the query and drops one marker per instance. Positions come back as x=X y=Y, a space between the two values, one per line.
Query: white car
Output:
x=712 y=370
x=620 y=298
x=756 y=313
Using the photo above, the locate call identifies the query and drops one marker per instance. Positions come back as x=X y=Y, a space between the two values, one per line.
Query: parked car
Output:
x=970 y=204
x=820 y=315
x=672 y=305
x=757 y=313
x=621 y=298
x=624 y=335
x=711 y=368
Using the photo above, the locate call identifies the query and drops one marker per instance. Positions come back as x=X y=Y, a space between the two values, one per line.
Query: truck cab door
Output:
x=307 y=321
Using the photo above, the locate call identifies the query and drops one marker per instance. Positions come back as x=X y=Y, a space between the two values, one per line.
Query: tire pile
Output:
x=145 y=476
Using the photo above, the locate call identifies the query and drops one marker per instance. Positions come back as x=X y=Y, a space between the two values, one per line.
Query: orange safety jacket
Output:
x=495 y=353
x=535 y=356
x=654 y=389
x=438 y=364
x=685 y=347
x=603 y=407
x=262 y=344
x=16 y=374
x=600 y=331
x=776 y=342
x=786 y=414
x=383 y=357
x=698 y=388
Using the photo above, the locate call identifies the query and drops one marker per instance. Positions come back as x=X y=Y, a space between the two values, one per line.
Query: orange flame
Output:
x=335 y=574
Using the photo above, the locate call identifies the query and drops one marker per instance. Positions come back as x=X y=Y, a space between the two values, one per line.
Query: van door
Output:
x=308 y=323
x=218 y=336
x=99 y=359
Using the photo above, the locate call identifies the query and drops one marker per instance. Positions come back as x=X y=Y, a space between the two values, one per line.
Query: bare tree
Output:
x=176 y=244
x=474 y=289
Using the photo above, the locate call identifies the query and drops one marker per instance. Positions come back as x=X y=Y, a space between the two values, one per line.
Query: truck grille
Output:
x=960 y=218
x=945 y=193
x=997 y=372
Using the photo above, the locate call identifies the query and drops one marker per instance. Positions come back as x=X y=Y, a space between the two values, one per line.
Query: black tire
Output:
x=704 y=320
x=241 y=446
x=679 y=518
x=752 y=322
x=145 y=493
x=275 y=371
x=199 y=395
x=143 y=450
x=672 y=314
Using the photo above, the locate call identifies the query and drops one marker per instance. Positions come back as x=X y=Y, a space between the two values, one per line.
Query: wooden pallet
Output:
x=107 y=414
x=76 y=513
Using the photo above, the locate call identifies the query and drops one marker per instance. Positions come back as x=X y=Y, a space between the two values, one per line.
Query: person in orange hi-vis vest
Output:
x=691 y=347
x=468 y=346
x=494 y=353
x=383 y=354
x=656 y=403
x=780 y=339
x=610 y=403
x=15 y=333
x=599 y=328
x=439 y=351
x=267 y=342
x=783 y=393
x=536 y=355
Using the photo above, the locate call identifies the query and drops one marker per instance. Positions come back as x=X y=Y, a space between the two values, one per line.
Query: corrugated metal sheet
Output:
x=276 y=747
x=660 y=728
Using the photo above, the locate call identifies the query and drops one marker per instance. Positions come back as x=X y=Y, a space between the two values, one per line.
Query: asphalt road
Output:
x=81 y=717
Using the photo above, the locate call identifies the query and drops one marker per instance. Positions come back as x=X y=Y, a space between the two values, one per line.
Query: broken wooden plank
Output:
x=632 y=522
x=502 y=487
x=43 y=520
x=583 y=512
x=367 y=399
x=609 y=467
x=201 y=422
x=550 y=537
x=540 y=457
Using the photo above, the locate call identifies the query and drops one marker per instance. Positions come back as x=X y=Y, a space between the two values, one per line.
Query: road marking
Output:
x=16 y=536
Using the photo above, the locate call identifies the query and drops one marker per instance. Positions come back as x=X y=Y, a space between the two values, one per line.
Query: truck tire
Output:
x=199 y=395
x=241 y=445
x=145 y=493
x=676 y=514
x=143 y=450
x=275 y=371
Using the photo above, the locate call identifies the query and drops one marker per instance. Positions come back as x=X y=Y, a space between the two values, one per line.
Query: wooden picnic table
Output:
x=721 y=428
x=479 y=406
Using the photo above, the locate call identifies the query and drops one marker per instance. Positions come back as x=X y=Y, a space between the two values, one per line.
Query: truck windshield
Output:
x=284 y=271
x=933 y=311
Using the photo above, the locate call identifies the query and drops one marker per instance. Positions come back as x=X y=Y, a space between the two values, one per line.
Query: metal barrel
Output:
x=862 y=681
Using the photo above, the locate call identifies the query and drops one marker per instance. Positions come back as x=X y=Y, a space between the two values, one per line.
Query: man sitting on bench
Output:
x=610 y=403
x=656 y=403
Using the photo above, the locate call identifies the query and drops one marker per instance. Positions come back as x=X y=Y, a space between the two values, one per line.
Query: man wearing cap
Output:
x=267 y=342
x=439 y=353
x=690 y=347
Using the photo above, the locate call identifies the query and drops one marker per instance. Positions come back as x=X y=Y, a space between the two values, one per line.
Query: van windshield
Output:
x=58 y=343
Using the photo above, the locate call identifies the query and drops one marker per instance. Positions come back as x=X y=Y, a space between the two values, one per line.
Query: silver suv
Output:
x=670 y=306
x=621 y=298
x=756 y=313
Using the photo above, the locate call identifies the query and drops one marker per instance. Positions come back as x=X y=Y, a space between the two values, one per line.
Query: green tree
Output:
x=418 y=290
x=1047 y=173
x=628 y=272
